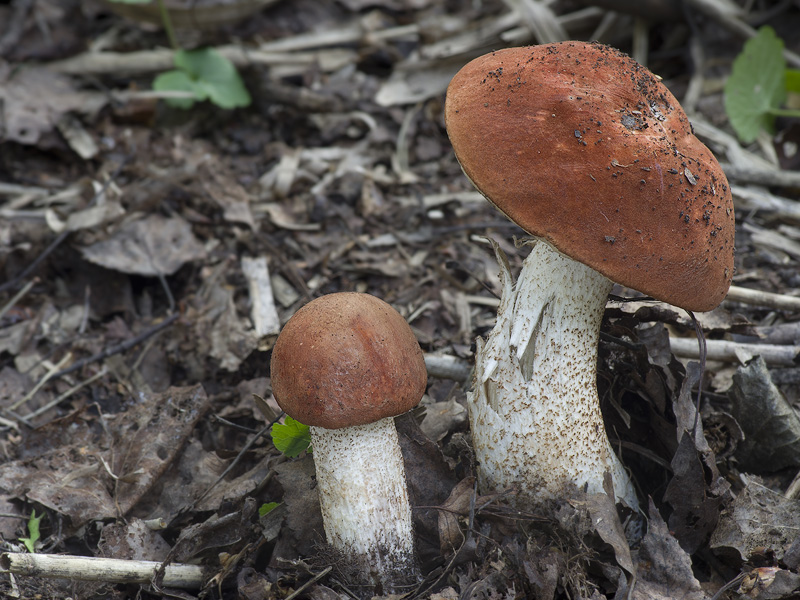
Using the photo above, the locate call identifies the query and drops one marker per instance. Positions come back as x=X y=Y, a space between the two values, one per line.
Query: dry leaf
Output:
x=663 y=568
x=757 y=518
x=457 y=505
x=770 y=424
x=33 y=100
x=132 y=540
x=151 y=246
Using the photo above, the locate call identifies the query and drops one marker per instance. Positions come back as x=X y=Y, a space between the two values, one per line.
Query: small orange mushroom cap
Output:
x=579 y=144
x=347 y=359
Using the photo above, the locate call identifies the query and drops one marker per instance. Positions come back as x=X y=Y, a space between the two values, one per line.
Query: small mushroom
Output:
x=589 y=152
x=346 y=364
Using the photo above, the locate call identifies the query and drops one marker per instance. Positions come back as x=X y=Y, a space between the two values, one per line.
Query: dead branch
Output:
x=735 y=352
x=111 y=350
x=771 y=177
x=761 y=298
x=151 y=61
x=445 y=366
x=109 y=570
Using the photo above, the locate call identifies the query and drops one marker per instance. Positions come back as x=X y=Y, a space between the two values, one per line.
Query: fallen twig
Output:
x=761 y=298
x=726 y=351
x=153 y=61
x=112 y=350
x=309 y=583
x=752 y=199
x=444 y=366
x=52 y=370
x=770 y=177
x=110 y=570
x=18 y=296
x=65 y=395
x=735 y=294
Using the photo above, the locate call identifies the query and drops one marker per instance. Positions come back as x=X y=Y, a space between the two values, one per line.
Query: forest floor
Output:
x=150 y=256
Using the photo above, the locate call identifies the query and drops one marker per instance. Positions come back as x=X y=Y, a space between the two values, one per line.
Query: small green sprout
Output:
x=758 y=85
x=291 y=437
x=267 y=508
x=204 y=73
x=33 y=532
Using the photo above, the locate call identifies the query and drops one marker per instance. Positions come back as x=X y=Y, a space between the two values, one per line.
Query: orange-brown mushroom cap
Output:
x=582 y=146
x=347 y=359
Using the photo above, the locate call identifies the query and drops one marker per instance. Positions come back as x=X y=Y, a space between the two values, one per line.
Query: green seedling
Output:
x=291 y=437
x=267 y=508
x=758 y=85
x=33 y=532
x=206 y=74
x=202 y=74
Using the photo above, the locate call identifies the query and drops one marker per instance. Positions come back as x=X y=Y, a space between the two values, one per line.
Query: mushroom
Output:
x=345 y=364
x=590 y=153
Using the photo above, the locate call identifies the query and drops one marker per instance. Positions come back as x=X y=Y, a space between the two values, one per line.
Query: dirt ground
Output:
x=150 y=256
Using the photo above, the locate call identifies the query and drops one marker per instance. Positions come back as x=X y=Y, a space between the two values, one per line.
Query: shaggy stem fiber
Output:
x=534 y=412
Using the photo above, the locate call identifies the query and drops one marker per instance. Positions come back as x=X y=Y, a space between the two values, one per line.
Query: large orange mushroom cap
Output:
x=347 y=359
x=582 y=146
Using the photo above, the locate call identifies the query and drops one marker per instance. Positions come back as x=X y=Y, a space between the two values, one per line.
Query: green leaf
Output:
x=178 y=81
x=214 y=76
x=793 y=81
x=131 y=1
x=267 y=508
x=757 y=85
x=291 y=438
x=33 y=532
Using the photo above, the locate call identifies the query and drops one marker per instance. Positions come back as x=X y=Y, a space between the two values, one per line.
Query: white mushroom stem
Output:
x=364 y=500
x=534 y=413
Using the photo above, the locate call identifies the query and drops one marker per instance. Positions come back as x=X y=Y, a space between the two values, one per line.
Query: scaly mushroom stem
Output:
x=364 y=500
x=534 y=413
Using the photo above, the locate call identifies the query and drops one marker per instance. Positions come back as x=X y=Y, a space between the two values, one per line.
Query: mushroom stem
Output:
x=534 y=413
x=364 y=500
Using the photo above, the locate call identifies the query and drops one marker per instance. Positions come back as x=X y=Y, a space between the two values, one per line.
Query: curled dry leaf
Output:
x=663 y=568
x=451 y=512
x=757 y=518
x=218 y=531
x=132 y=540
x=696 y=493
x=231 y=197
x=304 y=529
x=230 y=337
x=770 y=424
x=151 y=246
x=608 y=526
x=441 y=418
x=34 y=100
x=769 y=583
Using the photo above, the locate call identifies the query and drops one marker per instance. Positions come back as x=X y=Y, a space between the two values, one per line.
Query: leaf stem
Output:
x=784 y=112
x=165 y=19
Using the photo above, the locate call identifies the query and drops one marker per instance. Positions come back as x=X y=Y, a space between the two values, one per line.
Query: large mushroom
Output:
x=591 y=154
x=346 y=364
